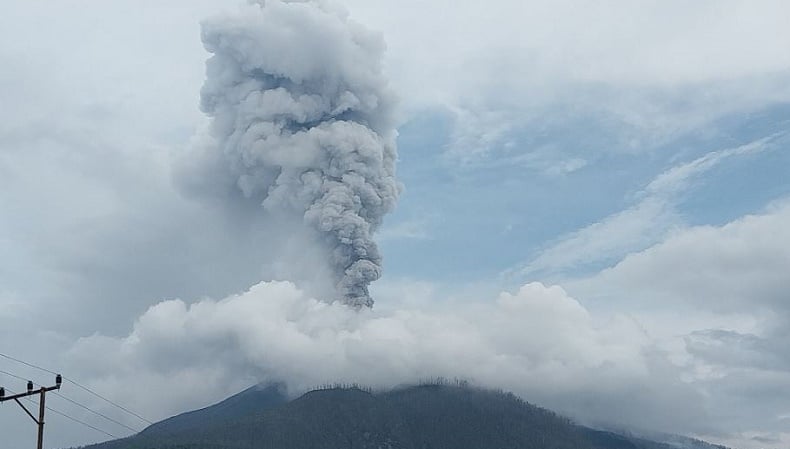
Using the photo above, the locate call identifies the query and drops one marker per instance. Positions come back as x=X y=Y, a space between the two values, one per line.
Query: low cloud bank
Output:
x=538 y=342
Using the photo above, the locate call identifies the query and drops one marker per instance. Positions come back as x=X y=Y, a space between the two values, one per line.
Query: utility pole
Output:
x=41 y=404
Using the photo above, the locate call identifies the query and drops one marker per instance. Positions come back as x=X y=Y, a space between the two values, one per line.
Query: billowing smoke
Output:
x=538 y=342
x=301 y=123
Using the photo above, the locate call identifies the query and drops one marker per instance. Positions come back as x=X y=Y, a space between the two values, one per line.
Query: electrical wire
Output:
x=13 y=375
x=83 y=406
x=80 y=422
x=28 y=364
x=73 y=382
x=57 y=412
x=95 y=412
x=108 y=401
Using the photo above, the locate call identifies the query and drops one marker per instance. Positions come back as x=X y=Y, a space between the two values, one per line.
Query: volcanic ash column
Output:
x=301 y=119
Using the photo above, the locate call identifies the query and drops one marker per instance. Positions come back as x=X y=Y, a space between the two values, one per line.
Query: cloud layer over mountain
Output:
x=538 y=342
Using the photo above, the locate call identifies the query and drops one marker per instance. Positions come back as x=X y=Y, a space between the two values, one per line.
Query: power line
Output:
x=109 y=401
x=80 y=386
x=83 y=423
x=76 y=403
x=96 y=413
x=57 y=412
x=28 y=364
x=14 y=376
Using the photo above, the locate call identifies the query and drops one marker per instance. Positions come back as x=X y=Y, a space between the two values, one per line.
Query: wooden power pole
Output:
x=41 y=404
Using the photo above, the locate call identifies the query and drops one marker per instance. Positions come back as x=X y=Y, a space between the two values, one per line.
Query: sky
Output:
x=592 y=213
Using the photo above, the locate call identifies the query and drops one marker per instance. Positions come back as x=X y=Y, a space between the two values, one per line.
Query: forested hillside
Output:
x=422 y=417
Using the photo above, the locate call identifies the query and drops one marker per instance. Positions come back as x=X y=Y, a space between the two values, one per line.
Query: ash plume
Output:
x=301 y=123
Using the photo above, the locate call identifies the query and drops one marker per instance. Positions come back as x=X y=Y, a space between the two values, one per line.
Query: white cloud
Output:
x=648 y=71
x=647 y=222
x=740 y=266
x=715 y=297
x=679 y=178
x=604 y=241
x=639 y=42
x=538 y=342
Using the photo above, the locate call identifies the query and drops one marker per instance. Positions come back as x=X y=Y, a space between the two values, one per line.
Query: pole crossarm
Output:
x=42 y=392
x=29 y=393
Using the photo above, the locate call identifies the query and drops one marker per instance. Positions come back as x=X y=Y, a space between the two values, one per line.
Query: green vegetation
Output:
x=436 y=416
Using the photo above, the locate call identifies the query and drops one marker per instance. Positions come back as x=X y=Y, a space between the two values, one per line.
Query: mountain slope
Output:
x=249 y=402
x=424 y=417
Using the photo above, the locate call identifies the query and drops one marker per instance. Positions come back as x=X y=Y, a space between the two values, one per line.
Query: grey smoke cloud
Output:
x=301 y=123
